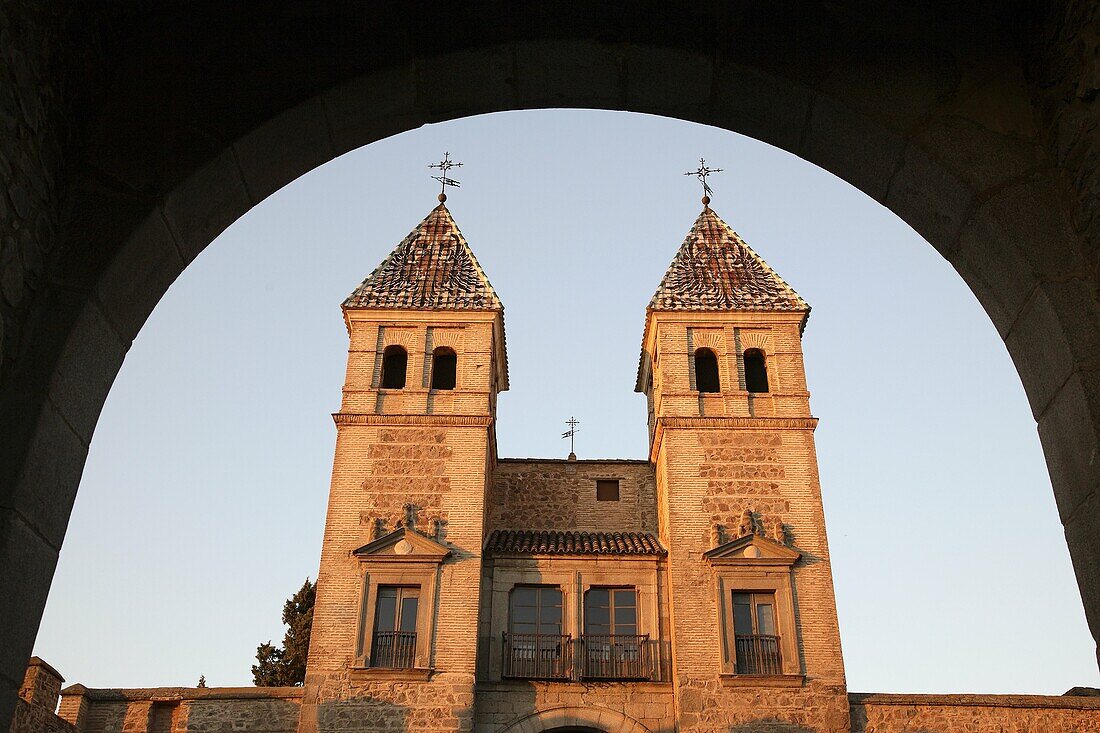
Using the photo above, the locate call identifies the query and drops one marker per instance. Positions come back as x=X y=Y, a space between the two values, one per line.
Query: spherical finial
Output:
x=706 y=201
x=442 y=197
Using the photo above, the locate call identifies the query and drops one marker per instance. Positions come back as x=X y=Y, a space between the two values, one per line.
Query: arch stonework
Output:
x=133 y=140
x=601 y=719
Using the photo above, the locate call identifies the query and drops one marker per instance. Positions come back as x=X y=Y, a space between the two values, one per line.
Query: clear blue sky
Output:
x=203 y=500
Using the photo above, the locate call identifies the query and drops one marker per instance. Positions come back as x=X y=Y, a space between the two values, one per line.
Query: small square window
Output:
x=607 y=490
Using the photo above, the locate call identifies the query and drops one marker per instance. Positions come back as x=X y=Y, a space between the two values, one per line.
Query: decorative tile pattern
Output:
x=433 y=267
x=716 y=270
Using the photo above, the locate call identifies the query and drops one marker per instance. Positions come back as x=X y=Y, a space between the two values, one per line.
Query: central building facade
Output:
x=461 y=591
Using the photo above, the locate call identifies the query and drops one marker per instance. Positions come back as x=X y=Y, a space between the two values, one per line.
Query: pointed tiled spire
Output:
x=716 y=270
x=432 y=268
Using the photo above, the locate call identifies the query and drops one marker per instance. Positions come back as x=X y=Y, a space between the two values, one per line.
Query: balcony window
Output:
x=534 y=647
x=612 y=647
x=756 y=638
x=394 y=642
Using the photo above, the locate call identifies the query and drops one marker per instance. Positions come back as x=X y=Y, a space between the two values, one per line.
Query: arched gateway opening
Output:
x=943 y=130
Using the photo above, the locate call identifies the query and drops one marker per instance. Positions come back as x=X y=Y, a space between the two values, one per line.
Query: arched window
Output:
x=395 y=362
x=706 y=371
x=444 y=368
x=756 y=371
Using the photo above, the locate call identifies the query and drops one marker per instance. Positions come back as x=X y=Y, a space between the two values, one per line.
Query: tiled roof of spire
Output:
x=716 y=270
x=542 y=542
x=432 y=268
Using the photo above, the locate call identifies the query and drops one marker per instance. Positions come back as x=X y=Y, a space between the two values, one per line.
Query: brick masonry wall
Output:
x=726 y=468
x=872 y=713
x=395 y=449
x=561 y=495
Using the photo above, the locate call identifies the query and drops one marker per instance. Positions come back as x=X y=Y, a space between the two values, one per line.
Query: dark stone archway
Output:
x=132 y=134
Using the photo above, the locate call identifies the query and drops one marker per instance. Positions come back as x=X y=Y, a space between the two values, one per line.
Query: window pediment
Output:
x=403 y=545
x=752 y=549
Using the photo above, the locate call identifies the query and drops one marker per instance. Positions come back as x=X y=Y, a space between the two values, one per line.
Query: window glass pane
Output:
x=597 y=598
x=408 y=614
x=626 y=615
x=550 y=615
x=523 y=597
x=765 y=618
x=550 y=596
x=523 y=628
x=386 y=609
x=524 y=614
x=742 y=615
x=624 y=598
x=598 y=615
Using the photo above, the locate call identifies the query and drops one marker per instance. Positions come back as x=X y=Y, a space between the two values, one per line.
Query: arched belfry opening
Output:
x=756 y=371
x=395 y=364
x=444 y=368
x=706 y=371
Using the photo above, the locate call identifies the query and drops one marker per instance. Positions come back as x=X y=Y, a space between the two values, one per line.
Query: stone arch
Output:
x=948 y=134
x=600 y=719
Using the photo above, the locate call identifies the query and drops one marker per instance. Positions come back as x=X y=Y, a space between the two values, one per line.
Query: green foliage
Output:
x=285 y=666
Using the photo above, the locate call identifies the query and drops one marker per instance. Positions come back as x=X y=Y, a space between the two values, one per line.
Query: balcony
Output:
x=394 y=649
x=758 y=654
x=592 y=657
x=606 y=657
x=538 y=656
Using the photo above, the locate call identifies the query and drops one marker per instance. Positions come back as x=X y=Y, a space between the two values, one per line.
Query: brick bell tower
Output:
x=394 y=628
x=753 y=615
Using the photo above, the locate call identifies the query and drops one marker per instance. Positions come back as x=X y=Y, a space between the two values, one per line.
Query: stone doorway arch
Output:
x=576 y=720
x=141 y=133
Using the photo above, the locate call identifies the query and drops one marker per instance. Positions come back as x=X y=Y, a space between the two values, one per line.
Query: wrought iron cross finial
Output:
x=572 y=422
x=444 y=166
x=702 y=174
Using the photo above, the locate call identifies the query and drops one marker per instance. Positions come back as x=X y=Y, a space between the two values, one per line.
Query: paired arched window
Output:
x=756 y=371
x=444 y=368
x=395 y=362
x=706 y=371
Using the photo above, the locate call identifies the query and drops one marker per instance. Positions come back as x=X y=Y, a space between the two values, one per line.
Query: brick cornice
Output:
x=725 y=423
x=473 y=421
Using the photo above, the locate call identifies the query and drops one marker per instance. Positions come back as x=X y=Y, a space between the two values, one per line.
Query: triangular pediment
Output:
x=752 y=549
x=403 y=545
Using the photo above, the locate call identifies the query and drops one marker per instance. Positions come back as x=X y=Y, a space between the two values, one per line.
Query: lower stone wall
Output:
x=612 y=706
x=878 y=713
x=30 y=718
x=183 y=710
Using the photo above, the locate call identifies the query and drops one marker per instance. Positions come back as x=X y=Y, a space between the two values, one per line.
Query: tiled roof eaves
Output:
x=547 y=542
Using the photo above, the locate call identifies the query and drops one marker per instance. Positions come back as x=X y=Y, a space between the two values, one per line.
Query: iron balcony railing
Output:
x=593 y=656
x=758 y=654
x=619 y=657
x=395 y=649
x=538 y=656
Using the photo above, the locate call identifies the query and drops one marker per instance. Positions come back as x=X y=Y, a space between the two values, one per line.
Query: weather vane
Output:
x=444 y=166
x=702 y=174
x=572 y=422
